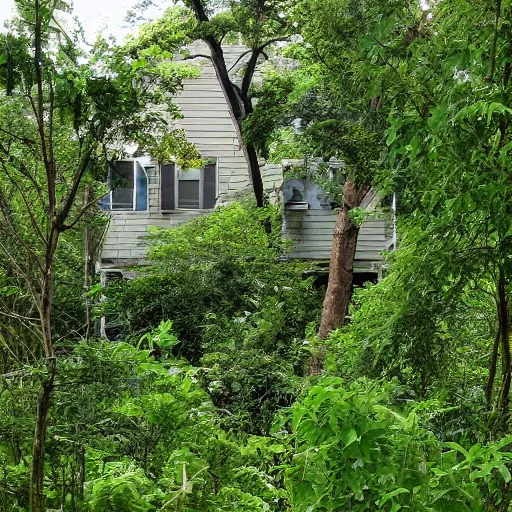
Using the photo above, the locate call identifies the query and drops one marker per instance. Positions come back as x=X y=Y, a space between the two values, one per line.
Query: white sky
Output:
x=95 y=15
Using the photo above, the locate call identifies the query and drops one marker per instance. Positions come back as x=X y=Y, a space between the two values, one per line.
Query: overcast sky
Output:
x=95 y=15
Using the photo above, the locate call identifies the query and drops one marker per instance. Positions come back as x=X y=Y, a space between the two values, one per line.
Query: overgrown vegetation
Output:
x=203 y=400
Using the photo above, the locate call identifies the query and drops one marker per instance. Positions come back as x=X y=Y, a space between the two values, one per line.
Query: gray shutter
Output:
x=209 y=186
x=167 y=186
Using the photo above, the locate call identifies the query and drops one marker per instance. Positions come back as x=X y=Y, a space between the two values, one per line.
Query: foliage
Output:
x=146 y=435
x=230 y=233
x=237 y=310
x=202 y=403
x=354 y=450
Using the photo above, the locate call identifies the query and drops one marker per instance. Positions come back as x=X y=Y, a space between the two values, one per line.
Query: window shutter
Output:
x=209 y=185
x=141 y=180
x=167 y=186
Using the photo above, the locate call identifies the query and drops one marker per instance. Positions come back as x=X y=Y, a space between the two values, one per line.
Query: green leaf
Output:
x=348 y=436
x=457 y=447
x=392 y=494
x=505 y=473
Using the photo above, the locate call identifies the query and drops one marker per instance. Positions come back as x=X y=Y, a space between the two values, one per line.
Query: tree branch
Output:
x=28 y=142
x=197 y=56
x=32 y=217
x=68 y=202
x=197 y=7
x=239 y=59
x=81 y=213
x=495 y=40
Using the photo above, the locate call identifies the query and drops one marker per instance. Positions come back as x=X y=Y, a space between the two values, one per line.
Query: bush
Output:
x=238 y=311
x=356 y=449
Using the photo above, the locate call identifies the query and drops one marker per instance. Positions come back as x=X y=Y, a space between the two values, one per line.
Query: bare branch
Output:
x=253 y=62
x=240 y=58
x=28 y=208
x=197 y=56
x=25 y=140
x=81 y=213
x=77 y=179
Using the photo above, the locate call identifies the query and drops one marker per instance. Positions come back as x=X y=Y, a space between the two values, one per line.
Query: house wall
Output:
x=208 y=124
x=310 y=231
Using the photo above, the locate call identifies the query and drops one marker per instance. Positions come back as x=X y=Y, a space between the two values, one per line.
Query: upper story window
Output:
x=128 y=187
x=190 y=189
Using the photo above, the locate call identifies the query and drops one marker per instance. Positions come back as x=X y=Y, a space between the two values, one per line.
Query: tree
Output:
x=339 y=117
x=61 y=121
x=449 y=138
x=448 y=146
x=257 y=24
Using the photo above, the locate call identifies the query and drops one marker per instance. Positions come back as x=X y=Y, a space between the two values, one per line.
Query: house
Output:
x=146 y=193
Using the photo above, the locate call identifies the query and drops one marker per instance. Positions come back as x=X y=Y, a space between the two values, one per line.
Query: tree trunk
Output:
x=36 y=496
x=87 y=267
x=251 y=158
x=240 y=106
x=36 y=493
x=341 y=267
x=506 y=370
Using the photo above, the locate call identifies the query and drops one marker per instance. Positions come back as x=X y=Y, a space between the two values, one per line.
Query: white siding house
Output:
x=152 y=194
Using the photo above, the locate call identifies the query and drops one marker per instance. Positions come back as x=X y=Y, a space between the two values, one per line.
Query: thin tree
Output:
x=58 y=117
x=258 y=25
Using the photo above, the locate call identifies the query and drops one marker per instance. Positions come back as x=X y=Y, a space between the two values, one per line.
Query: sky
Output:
x=95 y=15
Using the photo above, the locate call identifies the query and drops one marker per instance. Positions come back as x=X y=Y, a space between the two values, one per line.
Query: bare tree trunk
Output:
x=506 y=370
x=237 y=97
x=87 y=267
x=36 y=494
x=339 y=287
x=251 y=158
x=238 y=107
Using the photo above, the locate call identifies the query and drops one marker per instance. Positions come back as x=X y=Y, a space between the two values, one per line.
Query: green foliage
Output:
x=272 y=98
x=145 y=433
x=181 y=413
x=238 y=312
x=355 y=449
x=230 y=233
x=121 y=490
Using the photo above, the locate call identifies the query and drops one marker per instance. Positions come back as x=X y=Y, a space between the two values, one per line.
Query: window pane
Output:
x=167 y=186
x=190 y=174
x=122 y=186
x=188 y=194
x=141 y=201
x=209 y=183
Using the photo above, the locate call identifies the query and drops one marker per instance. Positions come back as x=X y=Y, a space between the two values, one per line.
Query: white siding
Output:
x=311 y=235
x=125 y=240
x=311 y=231
x=208 y=124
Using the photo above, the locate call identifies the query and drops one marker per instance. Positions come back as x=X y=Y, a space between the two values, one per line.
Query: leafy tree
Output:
x=257 y=24
x=59 y=116
x=448 y=149
x=239 y=312
x=330 y=101
x=355 y=450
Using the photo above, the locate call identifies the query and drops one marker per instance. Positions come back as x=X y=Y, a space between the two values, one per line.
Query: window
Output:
x=338 y=174
x=129 y=187
x=191 y=189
